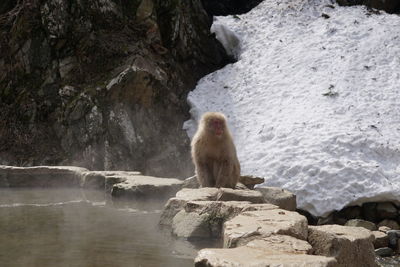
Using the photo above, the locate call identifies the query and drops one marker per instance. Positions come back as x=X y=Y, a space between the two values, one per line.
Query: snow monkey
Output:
x=214 y=154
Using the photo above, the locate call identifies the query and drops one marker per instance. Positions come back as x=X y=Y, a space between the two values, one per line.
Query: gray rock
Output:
x=393 y=237
x=386 y=210
x=280 y=197
x=228 y=194
x=351 y=246
x=384 y=252
x=361 y=223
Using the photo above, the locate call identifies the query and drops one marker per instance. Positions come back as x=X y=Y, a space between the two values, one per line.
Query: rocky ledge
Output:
x=255 y=231
x=121 y=184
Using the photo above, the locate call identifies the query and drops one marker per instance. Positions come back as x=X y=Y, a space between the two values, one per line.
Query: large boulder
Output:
x=204 y=219
x=251 y=225
x=41 y=176
x=350 y=246
x=177 y=203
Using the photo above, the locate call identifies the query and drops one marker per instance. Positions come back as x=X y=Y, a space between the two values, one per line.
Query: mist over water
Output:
x=65 y=227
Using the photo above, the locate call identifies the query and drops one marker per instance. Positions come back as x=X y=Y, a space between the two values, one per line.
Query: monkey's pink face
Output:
x=217 y=126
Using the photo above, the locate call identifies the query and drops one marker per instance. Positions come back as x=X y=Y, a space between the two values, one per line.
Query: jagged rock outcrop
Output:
x=101 y=84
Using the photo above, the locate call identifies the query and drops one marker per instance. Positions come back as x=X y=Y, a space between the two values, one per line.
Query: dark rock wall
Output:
x=390 y=6
x=101 y=83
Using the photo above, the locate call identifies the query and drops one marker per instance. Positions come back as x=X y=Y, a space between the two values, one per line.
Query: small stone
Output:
x=381 y=239
x=384 y=252
x=250 y=181
x=384 y=229
x=361 y=223
x=390 y=224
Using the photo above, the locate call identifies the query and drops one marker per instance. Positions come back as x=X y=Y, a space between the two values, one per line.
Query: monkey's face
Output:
x=216 y=126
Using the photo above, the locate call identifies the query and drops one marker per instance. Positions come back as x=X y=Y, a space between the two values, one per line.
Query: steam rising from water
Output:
x=48 y=227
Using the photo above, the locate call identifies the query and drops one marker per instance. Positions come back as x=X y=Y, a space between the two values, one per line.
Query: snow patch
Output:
x=313 y=102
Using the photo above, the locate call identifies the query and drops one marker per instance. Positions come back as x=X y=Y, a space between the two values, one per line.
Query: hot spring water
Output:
x=72 y=227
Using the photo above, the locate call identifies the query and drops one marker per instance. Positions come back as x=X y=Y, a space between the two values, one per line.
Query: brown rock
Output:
x=351 y=246
x=381 y=239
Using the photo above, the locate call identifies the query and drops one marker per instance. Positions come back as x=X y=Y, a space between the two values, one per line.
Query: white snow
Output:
x=313 y=102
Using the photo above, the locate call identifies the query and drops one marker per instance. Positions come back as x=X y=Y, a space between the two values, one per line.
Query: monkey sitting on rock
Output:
x=214 y=153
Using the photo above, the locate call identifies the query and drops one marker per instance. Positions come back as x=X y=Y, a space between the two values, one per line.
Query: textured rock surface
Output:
x=351 y=246
x=278 y=196
x=94 y=83
x=258 y=224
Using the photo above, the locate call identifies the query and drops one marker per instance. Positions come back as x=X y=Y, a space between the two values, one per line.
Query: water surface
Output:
x=53 y=227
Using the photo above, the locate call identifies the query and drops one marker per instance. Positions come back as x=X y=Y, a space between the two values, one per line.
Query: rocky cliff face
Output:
x=101 y=83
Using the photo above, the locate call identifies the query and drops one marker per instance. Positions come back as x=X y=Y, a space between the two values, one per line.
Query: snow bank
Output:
x=313 y=102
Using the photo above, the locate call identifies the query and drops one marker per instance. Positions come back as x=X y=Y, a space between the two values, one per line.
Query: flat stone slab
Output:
x=351 y=246
x=247 y=256
x=251 y=225
x=146 y=187
x=41 y=176
x=282 y=198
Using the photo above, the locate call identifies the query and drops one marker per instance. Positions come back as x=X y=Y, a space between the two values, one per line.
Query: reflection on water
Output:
x=55 y=227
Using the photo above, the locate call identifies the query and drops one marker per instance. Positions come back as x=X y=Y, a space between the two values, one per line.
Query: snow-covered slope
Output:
x=313 y=102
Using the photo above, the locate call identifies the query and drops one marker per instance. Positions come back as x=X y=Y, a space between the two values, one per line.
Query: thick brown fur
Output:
x=213 y=154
